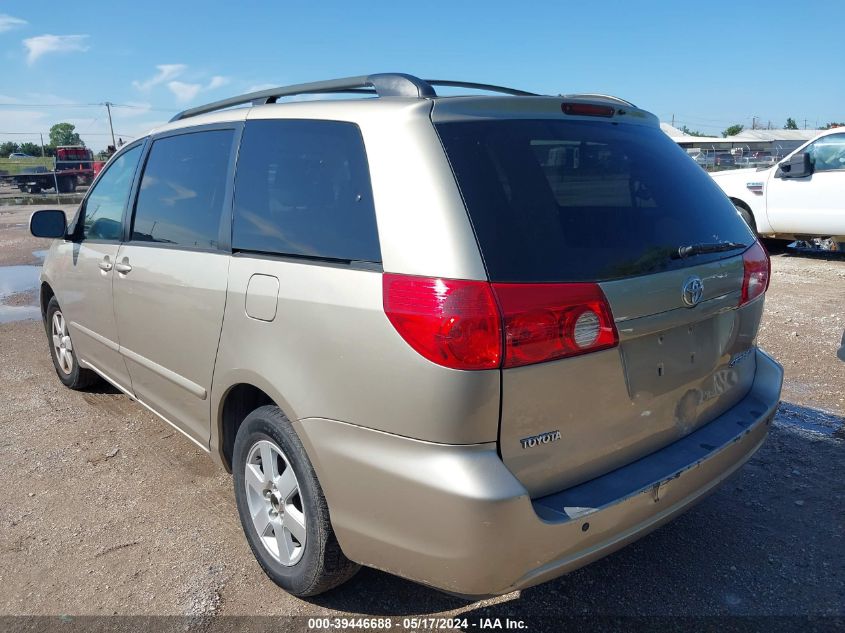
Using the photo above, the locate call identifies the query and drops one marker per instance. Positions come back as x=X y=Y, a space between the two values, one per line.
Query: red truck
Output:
x=74 y=166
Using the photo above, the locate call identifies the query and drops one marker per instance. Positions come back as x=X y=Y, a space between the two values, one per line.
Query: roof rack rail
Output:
x=595 y=95
x=380 y=84
x=475 y=86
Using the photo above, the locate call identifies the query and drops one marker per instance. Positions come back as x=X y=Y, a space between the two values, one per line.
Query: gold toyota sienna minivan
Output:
x=476 y=341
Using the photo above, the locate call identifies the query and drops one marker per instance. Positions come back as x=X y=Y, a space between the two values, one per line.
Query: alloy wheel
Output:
x=275 y=502
x=62 y=344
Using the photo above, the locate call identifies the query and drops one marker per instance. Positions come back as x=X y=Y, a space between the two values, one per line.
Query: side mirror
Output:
x=798 y=166
x=50 y=223
x=841 y=352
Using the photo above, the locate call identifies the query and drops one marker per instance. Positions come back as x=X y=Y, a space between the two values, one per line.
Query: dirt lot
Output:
x=106 y=510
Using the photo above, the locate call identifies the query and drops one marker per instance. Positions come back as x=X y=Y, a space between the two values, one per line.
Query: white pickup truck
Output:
x=801 y=197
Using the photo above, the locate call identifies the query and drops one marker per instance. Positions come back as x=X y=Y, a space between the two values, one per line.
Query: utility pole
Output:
x=805 y=124
x=43 y=153
x=111 y=127
x=673 y=120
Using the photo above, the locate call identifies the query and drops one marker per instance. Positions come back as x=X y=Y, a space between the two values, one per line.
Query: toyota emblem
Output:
x=693 y=291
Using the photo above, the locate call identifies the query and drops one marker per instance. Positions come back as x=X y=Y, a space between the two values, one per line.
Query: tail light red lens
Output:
x=544 y=322
x=758 y=269
x=476 y=325
x=454 y=323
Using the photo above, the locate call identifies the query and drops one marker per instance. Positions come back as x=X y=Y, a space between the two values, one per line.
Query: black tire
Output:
x=322 y=565
x=67 y=184
x=775 y=246
x=746 y=215
x=77 y=377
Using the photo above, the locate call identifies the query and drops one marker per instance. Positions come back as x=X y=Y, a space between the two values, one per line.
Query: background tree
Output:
x=733 y=130
x=790 y=124
x=64 y=134
x=832 y=125
x=33 y=149
x=9 y=147
x=686 y=130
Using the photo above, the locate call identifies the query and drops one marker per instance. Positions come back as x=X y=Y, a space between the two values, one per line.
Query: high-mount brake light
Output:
x=588 y=109
x=464 y=324
x=757 y=269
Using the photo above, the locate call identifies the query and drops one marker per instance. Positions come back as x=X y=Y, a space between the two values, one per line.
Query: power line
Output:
x=84 y=105
x=51 y=105
x=78 y=132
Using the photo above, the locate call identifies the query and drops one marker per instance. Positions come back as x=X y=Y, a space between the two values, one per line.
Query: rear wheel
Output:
x=67 y=184
x=62 y=352
x=282 y=509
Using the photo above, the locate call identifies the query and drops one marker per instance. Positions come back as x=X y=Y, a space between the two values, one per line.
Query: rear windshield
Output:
x=584 y=201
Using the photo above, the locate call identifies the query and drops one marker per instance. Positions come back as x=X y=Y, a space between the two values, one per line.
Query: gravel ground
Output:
x=106 y=510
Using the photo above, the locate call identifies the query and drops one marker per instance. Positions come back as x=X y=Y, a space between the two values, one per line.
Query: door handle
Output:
x=123 y=267
x=105 y=264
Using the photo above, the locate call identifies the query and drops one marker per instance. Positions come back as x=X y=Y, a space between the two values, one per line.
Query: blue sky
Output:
x=709 y=64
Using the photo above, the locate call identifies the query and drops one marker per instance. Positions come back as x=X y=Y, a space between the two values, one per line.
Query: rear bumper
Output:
x=453 y=517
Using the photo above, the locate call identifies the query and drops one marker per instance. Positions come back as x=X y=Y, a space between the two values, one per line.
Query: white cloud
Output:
x=184 y=92
x=218 y=81
x=7 y=22
x=166 y=72
x=43 y=44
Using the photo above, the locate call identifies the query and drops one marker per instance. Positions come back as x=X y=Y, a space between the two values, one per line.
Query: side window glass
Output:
x=103 y=212
x=303 y=188
x=180 y=201
x=828 y=153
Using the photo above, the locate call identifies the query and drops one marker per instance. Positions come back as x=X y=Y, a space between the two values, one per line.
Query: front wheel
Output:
x=282 y=509
x=746 y=215
x=62 y=352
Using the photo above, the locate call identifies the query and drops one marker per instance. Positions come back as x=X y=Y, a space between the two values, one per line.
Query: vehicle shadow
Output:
x=762 y=543
x=103 y=388
x=812 y=253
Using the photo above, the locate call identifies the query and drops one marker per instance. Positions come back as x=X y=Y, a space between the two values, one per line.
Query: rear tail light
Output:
x=588 y=109
x=477 y=325
x=757 y=270
x=544 y=322
x=451 y=322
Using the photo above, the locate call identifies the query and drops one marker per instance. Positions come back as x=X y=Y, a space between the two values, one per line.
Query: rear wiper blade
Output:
x=705 y=247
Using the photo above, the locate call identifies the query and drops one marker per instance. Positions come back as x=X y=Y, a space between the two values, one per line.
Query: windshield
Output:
x=554 y=200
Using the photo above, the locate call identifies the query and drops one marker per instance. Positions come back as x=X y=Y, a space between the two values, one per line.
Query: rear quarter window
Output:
x=554 y=200
x=303 y=189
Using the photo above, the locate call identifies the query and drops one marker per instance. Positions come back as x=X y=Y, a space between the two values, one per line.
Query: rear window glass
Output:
x=584 y=201
x=303 y=189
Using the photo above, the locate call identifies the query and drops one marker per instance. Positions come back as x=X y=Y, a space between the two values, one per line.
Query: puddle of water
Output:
x=17 y=279
x=14 y=279
x=19 y=313
x=807 y=419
